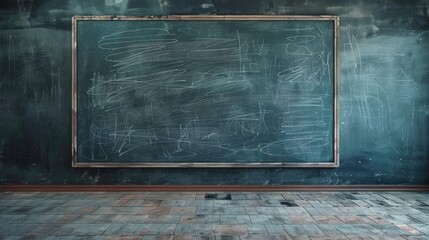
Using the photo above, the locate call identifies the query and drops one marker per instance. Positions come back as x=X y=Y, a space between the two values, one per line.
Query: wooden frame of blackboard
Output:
x=74 y=93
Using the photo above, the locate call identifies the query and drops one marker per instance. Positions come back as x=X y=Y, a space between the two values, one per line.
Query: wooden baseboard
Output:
x=207 y=188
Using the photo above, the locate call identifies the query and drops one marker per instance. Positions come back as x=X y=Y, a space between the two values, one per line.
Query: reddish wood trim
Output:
x=207 y=188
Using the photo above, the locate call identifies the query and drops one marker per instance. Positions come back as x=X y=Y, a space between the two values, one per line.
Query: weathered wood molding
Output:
x=207 y=188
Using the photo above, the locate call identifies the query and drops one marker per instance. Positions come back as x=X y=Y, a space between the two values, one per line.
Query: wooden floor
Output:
x=230 y=215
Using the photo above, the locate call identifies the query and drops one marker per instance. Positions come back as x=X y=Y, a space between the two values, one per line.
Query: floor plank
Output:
x=214 y=215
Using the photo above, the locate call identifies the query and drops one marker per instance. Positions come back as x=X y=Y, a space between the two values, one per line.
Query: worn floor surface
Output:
x=191 y=215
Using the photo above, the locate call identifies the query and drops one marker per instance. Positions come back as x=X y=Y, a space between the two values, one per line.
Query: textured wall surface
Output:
x=384 y=100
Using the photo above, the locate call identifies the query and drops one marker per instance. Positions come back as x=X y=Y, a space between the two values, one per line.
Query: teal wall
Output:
x=384 y=100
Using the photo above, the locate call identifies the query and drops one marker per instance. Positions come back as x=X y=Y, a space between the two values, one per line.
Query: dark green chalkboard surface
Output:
x=184 y=91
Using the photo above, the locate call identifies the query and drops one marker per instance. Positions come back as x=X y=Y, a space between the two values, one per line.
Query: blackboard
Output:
x=205 y=91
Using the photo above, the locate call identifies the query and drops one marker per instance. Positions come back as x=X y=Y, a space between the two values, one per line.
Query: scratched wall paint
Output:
x=384 y=98
x=199 y=92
